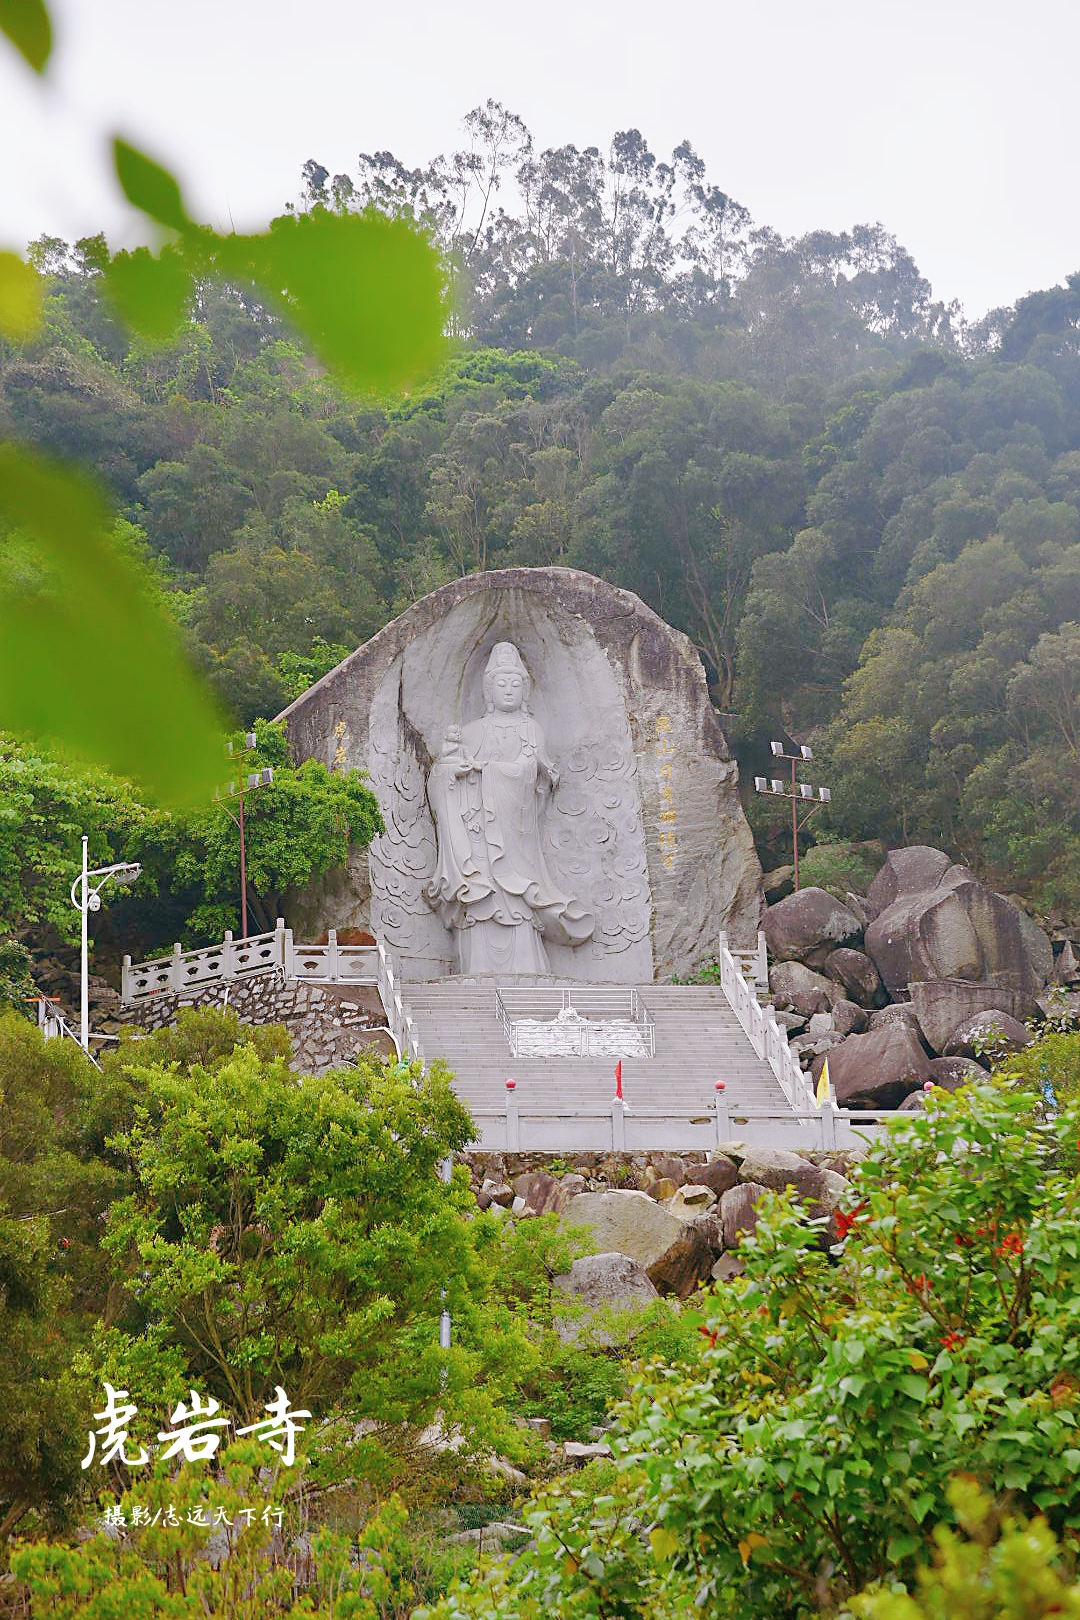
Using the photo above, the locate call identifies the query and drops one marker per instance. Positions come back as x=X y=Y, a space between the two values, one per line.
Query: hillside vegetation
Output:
x=863 y=510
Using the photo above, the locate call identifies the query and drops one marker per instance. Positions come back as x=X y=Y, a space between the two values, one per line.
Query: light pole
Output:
x=86 y=899
x=245 y=782
x=800 y=793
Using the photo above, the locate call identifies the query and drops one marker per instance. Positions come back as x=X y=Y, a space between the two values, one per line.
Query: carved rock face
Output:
x=644 y=829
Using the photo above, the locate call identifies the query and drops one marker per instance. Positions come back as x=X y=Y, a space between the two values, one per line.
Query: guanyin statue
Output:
x=488 y=791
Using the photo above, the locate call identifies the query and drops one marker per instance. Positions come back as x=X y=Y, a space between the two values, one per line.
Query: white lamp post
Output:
x=86 y=899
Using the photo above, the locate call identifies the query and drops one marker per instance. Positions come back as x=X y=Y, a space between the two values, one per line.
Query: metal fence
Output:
x=595 y=1032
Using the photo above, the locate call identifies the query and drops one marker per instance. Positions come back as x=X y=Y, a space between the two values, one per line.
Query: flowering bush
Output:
x=807 y=1450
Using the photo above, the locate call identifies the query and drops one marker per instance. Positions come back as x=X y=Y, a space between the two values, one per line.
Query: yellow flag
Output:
x=823 y=1092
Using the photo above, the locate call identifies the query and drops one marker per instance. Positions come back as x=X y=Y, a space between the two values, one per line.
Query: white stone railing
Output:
x=216 y=964
x=522 y=1127
x=331 y=963
x=398 y=1017
x=242 y=958
x=753 y=964
x=766 y=1036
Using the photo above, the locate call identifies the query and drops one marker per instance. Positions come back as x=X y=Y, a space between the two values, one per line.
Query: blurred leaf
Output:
x=365 y=291
x=665 y=1543
x=149 y=186
x=21 y=306
x=91 y=660
x=26 y=23
x=151 y=294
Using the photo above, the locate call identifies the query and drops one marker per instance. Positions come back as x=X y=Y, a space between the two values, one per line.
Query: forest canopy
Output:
x=779 y=444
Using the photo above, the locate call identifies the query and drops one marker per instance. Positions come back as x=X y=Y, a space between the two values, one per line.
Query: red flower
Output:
x=952 y=1341
x=918 y=1285
x=711 y=1335
x=962 y=1241
x=845 y=1222
x=1011 y=1243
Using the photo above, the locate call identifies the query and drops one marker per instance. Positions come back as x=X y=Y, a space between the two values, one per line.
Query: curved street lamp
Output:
x=86 y=899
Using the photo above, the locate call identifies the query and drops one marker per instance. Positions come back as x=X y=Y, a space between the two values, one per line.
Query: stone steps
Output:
x=698 y=1041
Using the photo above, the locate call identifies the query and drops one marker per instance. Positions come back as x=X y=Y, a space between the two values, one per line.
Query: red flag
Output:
x=618 y=1079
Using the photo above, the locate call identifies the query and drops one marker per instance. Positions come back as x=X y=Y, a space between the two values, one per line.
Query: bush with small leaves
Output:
x=806 y=1449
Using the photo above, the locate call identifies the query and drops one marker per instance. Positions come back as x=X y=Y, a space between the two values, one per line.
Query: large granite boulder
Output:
x=950 y=1073
x=599 y=1281
x=776 y=1168
x=718 y=1175
x=956 y=930
x=848 y=1017
x=808 y=925
x=642 y=835
x=738 y=1209
x=684 y=1266
x=858 y=975
x=627 y=1222
x=543 y=1193
x=881 y=1066
x=943 y=1004
x=801 y=989
x=907 y=871
x=990 y=1031
x=1037 y=942
x=900 y=1013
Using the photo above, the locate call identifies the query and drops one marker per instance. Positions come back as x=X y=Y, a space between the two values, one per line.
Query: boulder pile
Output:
x=663 y=1224
x=921 y=979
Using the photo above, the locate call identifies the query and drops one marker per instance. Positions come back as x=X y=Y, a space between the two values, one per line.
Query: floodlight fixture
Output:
x=798 y=792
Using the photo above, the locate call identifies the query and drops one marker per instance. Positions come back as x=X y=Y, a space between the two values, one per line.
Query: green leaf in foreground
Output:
x=21 y=306
x=89 y=659
x=148 y=186
x=26 y=23
x=364 y=290
x=150 y=294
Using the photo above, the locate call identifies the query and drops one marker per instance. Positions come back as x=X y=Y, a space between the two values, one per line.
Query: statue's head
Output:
x=506 y=681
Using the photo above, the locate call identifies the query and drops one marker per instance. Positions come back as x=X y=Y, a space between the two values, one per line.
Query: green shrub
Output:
x=807 y=1450
x=1049 y=1067
x=840 y=867
x=1001 y=1568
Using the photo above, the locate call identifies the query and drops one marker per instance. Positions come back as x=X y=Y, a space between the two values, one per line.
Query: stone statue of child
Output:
x=487 y=790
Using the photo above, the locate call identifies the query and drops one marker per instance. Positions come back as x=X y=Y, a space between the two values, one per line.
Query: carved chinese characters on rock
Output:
x=665 y=754
x=489 y=789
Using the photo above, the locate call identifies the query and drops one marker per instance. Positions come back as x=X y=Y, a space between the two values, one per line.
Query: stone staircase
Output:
x=698 y=1041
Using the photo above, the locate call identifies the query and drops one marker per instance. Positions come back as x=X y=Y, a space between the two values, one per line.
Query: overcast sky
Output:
x=953 y=122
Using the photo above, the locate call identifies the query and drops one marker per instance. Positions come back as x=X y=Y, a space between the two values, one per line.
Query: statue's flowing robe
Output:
x=491 y=885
